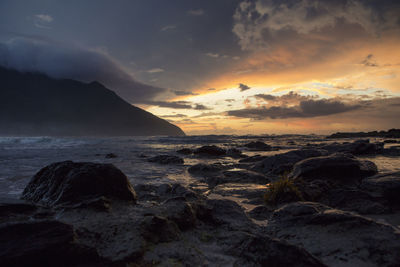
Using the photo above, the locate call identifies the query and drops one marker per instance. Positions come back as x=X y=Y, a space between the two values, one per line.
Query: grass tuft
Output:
x=282 y=191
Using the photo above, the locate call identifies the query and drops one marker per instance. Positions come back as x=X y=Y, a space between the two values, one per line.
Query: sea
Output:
x=22 y=157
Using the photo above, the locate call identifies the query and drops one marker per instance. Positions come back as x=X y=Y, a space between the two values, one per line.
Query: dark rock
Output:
x=235 y=153
x=243 y=176
x=260 y=212
x=251 y=159
x=358 y=147
x=185 y=151
x=210 y=151
x=391 y=141
x=179 y=211
x=386 y=186
x=166 y=159
x=339 y=167
x=258 y=146
x=111 y=156
x=393 y=151
x=66 y=183
x=205 y=169
x=43 y=243
x=392 y=133
x=158 y=229
x=265 y=251
x=336 y=237
x=9 y=206
x=281 y=163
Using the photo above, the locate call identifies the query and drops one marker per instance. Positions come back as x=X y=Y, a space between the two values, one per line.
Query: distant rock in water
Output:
x=166 y=159
x=35 y=104
x=392 y=133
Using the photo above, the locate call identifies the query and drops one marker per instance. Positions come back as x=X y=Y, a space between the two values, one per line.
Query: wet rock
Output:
x=11 y=206
x=180 y=212
x=66 y=183
x=391 y=141
x=386 y=186
x=185 y=151
x=261 y=213
x=210 y=151
x=235 y=153
x=258 y=146
x=393 y=151
x=358 y=147
x=111 y=156
x=158 y=229
x=43 y=243
x=338 y=167
x=243 y=176
x=281 y=163
x=166 y=159
x=337 y=237
x=249 y=193
x=251 y=159
x=265 y=251
x=206 y=169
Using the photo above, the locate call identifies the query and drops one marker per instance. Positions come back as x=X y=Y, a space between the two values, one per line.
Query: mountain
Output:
x=34 y=104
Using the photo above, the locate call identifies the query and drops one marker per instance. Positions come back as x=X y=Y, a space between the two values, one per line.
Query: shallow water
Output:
x=22 y=157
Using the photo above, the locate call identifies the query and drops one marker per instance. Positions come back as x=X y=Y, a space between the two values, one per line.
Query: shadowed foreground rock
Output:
x=67 y=182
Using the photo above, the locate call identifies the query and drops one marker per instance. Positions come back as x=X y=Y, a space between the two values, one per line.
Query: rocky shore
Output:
x=322 y=205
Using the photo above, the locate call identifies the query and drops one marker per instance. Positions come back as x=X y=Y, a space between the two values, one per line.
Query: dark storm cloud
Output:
x=201 y=107
x=258 y=23
x=61 y=60
x=306 y=109
x=183 y=93
x=243 y=87
x=291 y=97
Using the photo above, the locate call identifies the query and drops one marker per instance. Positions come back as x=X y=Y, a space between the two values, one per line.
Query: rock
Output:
x=393 y=151
x=261 y=213
x=210 y=151
x=111 y=156
x=158 y=229
x=281 y=163
x=391 y=141
x=258 y=146
x=251 y=159
x=235 y=153
x=43 y=243
x=386 y=186
x=66 y=183
x=358 y=147
x=243 y=176
x=254 y=250
x=180 y=212
x=337 y=237
x=248 y=193
x=205 y=169
x=338 y=167
x=392 y=133
x=185 y=151
x=166 y=159
x=9 y=206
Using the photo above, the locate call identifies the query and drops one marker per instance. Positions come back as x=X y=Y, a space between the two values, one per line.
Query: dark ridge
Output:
x=35 y=104
x=392 y=133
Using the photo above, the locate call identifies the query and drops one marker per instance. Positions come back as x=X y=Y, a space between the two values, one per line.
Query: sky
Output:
x=222 y=66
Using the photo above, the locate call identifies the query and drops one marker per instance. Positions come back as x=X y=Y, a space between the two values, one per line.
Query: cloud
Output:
x=201 y=107
x=213 y=55
x=174 y=116
x=258 y=21
x=183 y=93
x=155 y=70
x=306 y=109
x=177 y=105
x=44 y=17
x=168 y=28
x=43 y=21
x=243 y=87
x=196 y=12
x=369 y=61
x=62 y=60
x=289 y=98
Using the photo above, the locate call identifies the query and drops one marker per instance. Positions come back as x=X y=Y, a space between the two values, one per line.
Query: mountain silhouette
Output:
x=34 y=104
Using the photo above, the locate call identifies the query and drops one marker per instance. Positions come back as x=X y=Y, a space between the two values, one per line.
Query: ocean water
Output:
x=22 y=157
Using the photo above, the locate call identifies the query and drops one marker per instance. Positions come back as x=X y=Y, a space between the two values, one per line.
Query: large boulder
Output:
x=67 y=182
x=43 y=243
x=338 y=238
x=281 y=163
x=338 y=167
